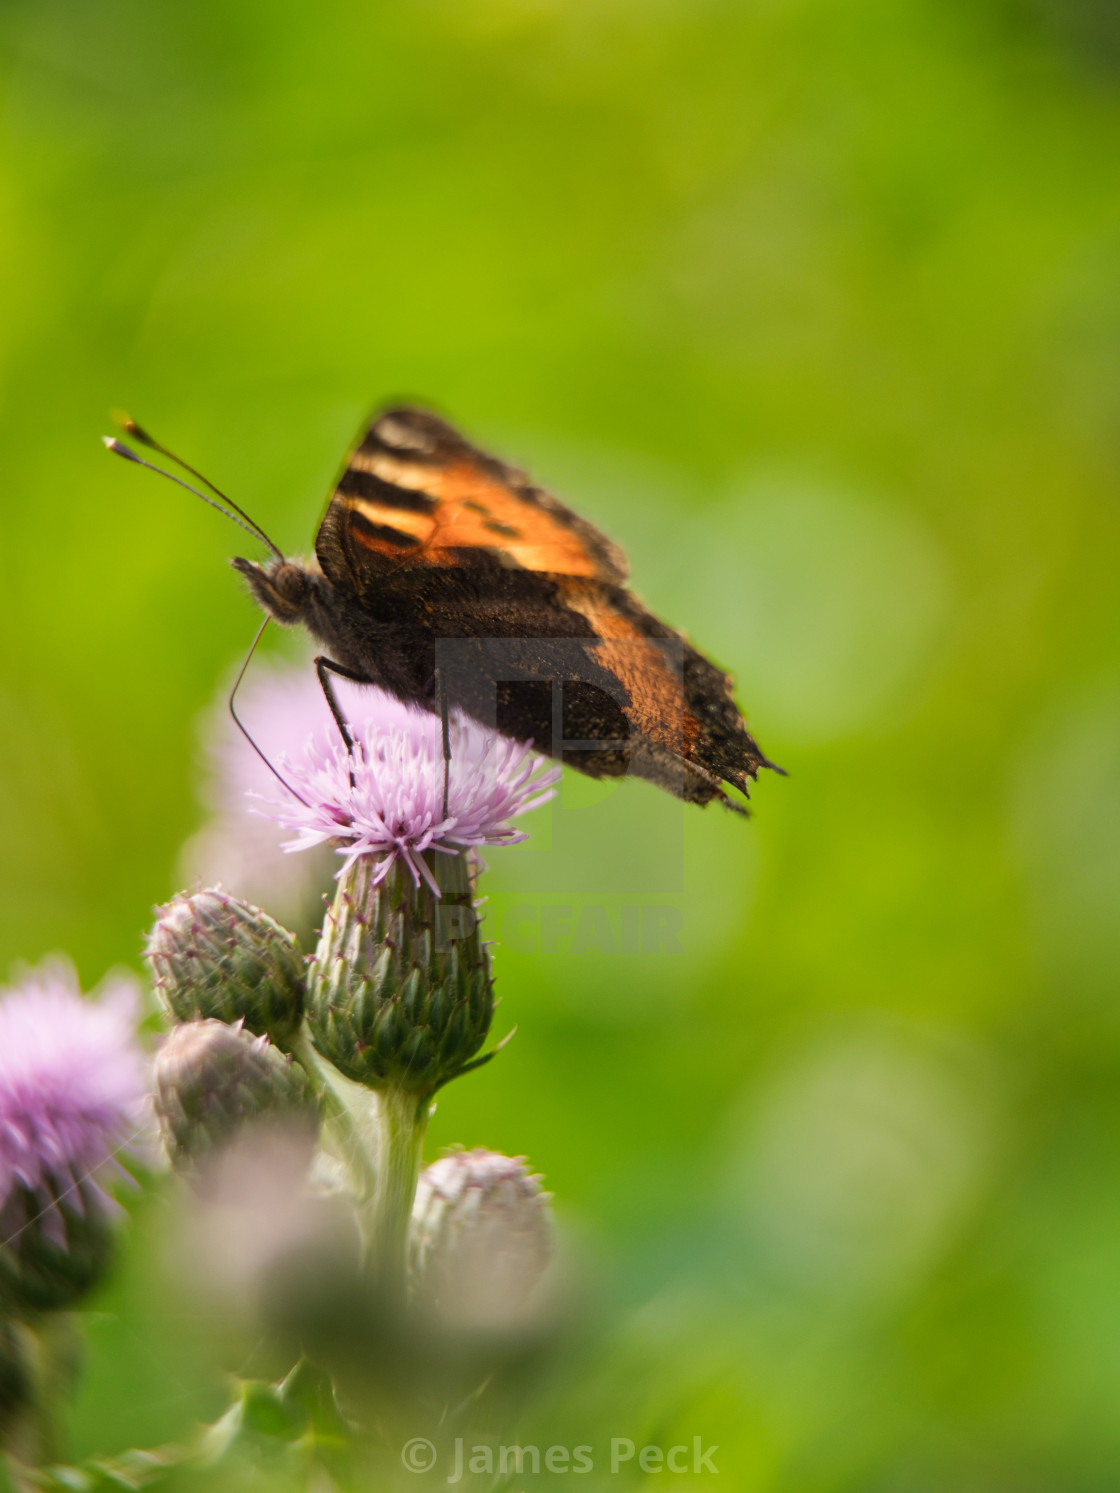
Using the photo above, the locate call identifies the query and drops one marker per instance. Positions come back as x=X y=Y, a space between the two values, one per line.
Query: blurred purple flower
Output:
x=281 y=704
x=73 y=1087
x=393 y=808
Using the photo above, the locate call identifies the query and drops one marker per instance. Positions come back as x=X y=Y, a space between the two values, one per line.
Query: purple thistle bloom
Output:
x=73 y=1084
x=393 y=810
x=282 y=704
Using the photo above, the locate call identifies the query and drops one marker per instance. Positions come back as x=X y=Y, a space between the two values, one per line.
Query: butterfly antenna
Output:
x=118 y=448
x=239 y=723
x=238 y=514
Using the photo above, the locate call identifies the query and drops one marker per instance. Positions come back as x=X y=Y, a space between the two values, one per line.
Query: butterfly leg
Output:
x=324 y=668
x=443 y=715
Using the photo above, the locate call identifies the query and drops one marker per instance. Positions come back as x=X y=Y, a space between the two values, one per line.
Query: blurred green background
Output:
x=814 y=306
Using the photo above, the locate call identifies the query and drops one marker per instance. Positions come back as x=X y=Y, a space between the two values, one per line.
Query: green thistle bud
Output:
x=215 y=956
x=481 y=1240
x=401 y=993
x=212 y=1079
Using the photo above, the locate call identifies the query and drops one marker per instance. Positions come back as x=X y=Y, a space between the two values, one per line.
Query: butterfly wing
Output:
x=440 y=541
x=414 y=493
x=600 y=682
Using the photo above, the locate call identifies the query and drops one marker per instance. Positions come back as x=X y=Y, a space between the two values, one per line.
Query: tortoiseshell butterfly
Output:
x=446 y=578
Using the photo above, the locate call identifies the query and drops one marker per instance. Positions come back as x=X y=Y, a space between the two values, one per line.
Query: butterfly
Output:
x=445 y=577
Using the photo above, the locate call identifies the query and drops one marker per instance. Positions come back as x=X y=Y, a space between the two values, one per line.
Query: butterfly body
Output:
x=444 y=576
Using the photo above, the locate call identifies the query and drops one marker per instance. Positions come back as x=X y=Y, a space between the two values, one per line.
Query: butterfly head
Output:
x=283 y=588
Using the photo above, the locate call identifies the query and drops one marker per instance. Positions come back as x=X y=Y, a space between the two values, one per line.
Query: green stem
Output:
x=402 y=1119
x=49 y=1353
x=379 y=1137
x=349 y=1129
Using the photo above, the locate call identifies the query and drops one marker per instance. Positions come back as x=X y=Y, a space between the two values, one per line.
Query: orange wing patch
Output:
x=467 y=508
x=656 y=691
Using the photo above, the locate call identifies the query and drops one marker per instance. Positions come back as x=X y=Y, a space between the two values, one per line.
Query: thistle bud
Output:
x=211 y=1080
x=400 y=989
x=481 y=1240
x=214 y=956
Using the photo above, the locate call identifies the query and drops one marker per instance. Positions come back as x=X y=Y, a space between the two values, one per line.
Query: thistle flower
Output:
x=72 y=1092
x=401 y=992
x=385 y=799
x=481 y=1240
